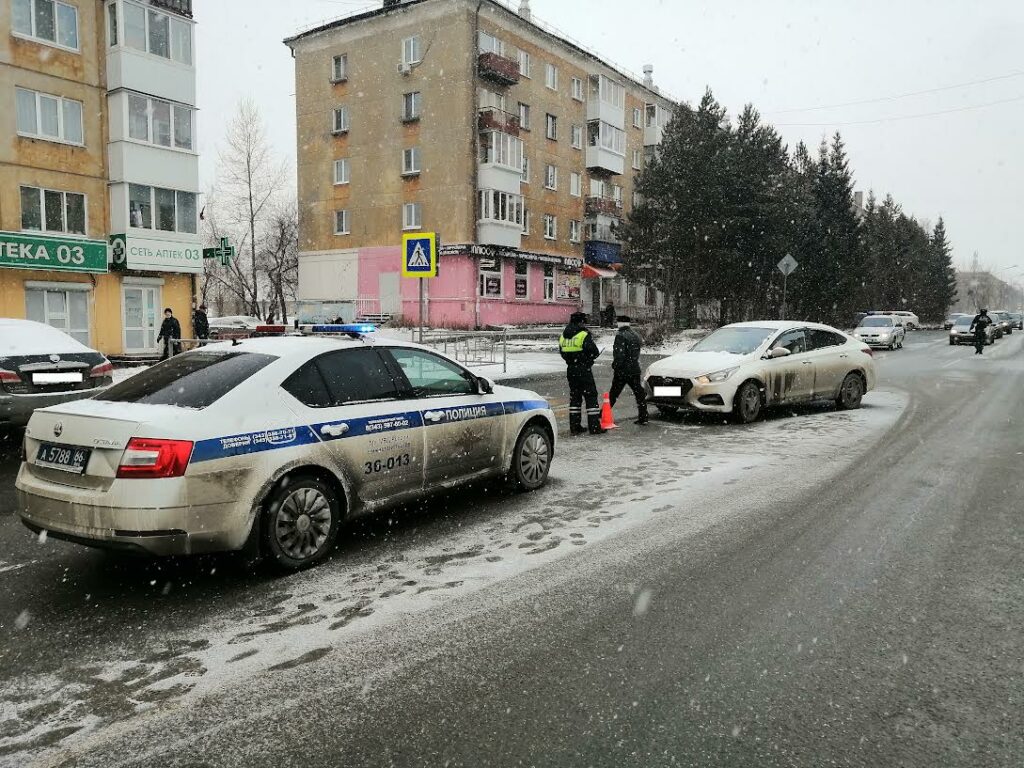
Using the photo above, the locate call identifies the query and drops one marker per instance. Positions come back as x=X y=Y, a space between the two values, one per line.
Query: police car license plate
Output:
x=668 y=391
x=66 y=458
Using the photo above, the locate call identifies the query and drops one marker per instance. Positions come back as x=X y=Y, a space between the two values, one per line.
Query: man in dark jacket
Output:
x=579 y=352
x=626 y=368
x=170 y=335
x=980 y=326
x=200 y=322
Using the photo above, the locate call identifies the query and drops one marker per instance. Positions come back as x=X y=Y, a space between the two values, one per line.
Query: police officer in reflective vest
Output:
x=579 y=352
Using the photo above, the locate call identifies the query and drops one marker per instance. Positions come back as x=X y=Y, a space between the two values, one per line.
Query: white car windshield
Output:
x=735 y=340
x=876 y=322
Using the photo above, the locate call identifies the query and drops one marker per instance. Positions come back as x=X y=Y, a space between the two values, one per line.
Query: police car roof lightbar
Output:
x=350 y=329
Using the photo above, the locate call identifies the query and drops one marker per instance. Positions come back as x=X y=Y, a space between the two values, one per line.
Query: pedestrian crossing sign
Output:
x=419 y=255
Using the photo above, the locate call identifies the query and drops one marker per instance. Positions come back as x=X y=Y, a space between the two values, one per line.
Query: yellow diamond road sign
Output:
x=419 y=255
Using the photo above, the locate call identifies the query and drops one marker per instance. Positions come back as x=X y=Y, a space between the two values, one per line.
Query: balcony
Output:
x=601 y=233
x=653 y=134
x=603 y=206
x=180 y=7
x=493 y=119
x=500 y=233
x=604 y=161
x=498 y=69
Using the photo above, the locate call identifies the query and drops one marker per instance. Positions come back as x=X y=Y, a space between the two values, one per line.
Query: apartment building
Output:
x=473 y=120
x=99 y=174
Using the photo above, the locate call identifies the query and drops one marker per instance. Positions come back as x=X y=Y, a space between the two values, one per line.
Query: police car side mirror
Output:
x=484 y=386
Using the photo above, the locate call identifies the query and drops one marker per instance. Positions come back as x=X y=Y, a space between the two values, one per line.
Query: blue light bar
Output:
x=359 y=329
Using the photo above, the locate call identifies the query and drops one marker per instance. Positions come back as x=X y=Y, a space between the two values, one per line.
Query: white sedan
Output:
x=741 y=369
x=270 y=444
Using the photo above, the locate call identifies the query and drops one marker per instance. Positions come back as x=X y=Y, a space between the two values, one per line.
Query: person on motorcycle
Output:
x=980 y=326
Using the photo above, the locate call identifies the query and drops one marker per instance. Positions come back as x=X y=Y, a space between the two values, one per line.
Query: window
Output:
x=46 y=21
x=341 y=378
x=196 y=380
x=550 y=227
x=159 y=122
x=501 y=149
x=607 y=136
x=339 y=68
x=524 y=116
x=551 y=77
x=340 y=122
x=577 y=89
x=412 y=216
x=503 y=207
x=575 y=185
x=411 y=161
x=824 y=339
x=53 y=118
x=574 y=231
x=159 y=34
x=552 y=127
x=549 y=282
x=526 y=170
x=491 y=44
x=411 y=51
x=526 y=222
x=638 y=118
x=111 y=24
x=608 y=91
x=522 y=285
x=168 y=210
x=577 y=137
x=52 y=211
x=66 y=310
x=341 y=171
x=638 y=159
x=525 y=64
x=341 y=223
x=411 y=106
x=794 y=341
x=551 y=177
x=490 y=278
x=432 y=376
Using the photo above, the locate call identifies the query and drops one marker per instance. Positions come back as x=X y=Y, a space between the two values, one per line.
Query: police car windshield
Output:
x=876 y=322
x=735 y=341
x=193 y=380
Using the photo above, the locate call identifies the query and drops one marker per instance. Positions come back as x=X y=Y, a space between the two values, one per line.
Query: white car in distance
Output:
x=885 y=331
x=270 y=444
x=741 y=369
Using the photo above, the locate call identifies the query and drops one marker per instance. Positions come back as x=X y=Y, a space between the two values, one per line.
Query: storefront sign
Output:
x=492 y=286
x=496 y=252
x=568 y=288
x=147 y=254
x=61 y=254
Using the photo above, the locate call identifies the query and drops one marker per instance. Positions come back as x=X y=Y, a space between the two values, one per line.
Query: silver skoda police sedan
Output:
x=271 y=444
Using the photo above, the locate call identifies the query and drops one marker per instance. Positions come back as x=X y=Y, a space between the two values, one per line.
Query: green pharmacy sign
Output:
x=60 y=254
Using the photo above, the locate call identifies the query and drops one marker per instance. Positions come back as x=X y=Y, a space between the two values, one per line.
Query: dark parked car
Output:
x=961 y=332
x=951 y=320
x=41 y=365
x=1018 y=320
x=1001 y=320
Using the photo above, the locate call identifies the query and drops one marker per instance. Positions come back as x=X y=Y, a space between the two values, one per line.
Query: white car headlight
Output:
x=716 y=378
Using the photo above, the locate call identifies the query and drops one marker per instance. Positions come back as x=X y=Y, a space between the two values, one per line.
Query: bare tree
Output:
x=279 y=257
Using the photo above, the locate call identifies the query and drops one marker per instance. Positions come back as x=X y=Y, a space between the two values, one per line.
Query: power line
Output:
x=901 y=117
x=1008 y=76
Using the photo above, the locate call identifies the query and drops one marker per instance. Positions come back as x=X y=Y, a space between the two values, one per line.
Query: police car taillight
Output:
x=149 y=459
x=101 y=371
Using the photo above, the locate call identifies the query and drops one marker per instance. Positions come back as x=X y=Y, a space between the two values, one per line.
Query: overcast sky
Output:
x=933 y=90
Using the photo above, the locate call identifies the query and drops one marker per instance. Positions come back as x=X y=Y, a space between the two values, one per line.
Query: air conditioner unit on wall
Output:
x=404 y=68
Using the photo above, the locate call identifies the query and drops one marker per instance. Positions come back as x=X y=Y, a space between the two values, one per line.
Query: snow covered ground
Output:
x=675 y=474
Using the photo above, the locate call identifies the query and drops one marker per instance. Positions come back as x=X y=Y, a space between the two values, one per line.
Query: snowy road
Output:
x=791 y=593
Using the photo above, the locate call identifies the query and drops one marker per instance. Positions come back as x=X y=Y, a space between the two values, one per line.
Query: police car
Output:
x=272 y=443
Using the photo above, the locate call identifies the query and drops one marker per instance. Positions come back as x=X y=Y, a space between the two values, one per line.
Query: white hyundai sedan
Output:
x=741 y=369
x=269 y=444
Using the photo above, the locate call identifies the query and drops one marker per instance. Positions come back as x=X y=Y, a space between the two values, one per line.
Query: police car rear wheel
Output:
x=301 y=522
x=531 y=461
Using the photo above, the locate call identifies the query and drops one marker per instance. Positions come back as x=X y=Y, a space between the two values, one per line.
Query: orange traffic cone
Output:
x=607 y=421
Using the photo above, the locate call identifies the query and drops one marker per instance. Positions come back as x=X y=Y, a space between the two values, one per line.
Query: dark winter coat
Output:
x=584 y=358
x=626 y=352
x=200 y=324
x=169 y=329
x=980 y=324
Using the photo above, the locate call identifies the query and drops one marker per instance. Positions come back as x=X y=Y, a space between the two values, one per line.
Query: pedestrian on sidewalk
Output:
x=170 y=335
x=626 y=367
x=201 y=323
x=579 y=352
x=980 y=326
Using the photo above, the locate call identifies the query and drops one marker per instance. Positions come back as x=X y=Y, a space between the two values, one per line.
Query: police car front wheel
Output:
x=300 y=524
x=531 y=461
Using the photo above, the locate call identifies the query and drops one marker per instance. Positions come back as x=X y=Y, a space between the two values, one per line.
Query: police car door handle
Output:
x=334 y=430
x=433 y=416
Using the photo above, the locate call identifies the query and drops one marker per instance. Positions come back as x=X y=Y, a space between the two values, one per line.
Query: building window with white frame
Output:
x=166 y=210
x=411 y=106
x=412 y=51
x=574 y=231
x=49 y=117
x=552 y=127
x=638 y=159
x=526 y=170
x=341 y=171
x=499 y=148
x=50 y=210
x=549 y=282
x=159 y=122
x=67 y=310
x=551 y=77
x=577 y=89
x=412 y=216
x=46 y=21
x=577 y=137
x=522 y=285
x=550 y=227
x=551 y=177
x=526 y=223
x=638 y=118
x=491 y=44
x=575 y=184
x=341 y=223
x=339 y=120
x=524 y=116
x=490 y=279
x=525 y=64
x=502 y=207
x=339 y=68
x=159 y=34
x=607 y=136
x=411 y=161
